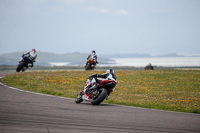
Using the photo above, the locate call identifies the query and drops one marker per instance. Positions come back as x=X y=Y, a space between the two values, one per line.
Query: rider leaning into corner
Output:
x=29 y=57
x=110 y=75
x=93 y=57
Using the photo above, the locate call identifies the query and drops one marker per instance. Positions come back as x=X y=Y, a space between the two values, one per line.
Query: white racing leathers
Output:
x=31 y=55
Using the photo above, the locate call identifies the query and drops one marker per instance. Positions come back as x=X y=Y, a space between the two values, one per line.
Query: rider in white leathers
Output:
x=93 y=57
x=29 y=57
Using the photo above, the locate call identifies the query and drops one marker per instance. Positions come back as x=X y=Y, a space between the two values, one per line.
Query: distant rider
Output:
x=93 y=57
x=148 y=67
x=110 y=75
x=29 y=57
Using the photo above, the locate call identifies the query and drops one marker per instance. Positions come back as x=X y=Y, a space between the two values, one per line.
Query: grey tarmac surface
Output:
x=24 y=112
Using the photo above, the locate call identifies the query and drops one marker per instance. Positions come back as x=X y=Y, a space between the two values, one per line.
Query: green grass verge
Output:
x=174 y=90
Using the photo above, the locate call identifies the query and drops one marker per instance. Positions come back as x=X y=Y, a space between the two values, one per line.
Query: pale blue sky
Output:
x=107 y=26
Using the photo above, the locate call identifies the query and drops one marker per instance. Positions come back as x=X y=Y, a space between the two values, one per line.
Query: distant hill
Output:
x=171 y=55
x=128 y=55
x=76 y=58
x=45 y=58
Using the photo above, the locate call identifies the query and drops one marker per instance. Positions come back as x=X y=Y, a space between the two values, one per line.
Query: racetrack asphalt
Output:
x=25 y=112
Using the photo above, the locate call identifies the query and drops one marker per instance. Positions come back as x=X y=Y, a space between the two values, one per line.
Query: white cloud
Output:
x=122 y=12
x=107 y=11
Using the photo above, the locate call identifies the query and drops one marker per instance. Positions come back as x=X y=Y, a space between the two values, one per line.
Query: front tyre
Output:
x=88 y=67
x=102 y=95
x=79 y=98
x=20 y=67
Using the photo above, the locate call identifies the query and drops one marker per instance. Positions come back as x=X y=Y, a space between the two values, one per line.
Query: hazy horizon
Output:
x=180 y=54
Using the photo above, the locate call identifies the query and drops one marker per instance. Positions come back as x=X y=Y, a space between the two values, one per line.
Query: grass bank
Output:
x=175 y=90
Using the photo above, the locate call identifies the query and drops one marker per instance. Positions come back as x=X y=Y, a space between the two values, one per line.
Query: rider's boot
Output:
x=30 y=64
x=107 y=97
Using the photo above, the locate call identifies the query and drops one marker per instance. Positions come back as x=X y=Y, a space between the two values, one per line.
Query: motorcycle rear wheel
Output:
x=102 y=95
x=20 y=66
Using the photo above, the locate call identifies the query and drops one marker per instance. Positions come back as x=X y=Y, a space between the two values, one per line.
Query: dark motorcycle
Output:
x=90 y=65
x=24 y=64
x=105 y=87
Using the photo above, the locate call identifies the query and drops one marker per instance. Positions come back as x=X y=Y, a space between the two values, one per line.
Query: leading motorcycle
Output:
x=23 y=65
x=104 y=88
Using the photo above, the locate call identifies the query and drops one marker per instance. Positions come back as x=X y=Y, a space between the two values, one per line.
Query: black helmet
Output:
x=110 y=71
x=93 y=51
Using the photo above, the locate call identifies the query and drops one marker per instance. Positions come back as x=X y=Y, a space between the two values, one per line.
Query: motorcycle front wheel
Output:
x=88 y=67
x=101 y=96
x=79 y=98
x=20 y=66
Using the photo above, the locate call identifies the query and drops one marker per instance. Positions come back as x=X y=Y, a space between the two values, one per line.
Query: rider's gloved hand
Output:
x=90 y=77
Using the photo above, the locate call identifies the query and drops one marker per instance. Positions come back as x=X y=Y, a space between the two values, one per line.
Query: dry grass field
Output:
x=175 y=90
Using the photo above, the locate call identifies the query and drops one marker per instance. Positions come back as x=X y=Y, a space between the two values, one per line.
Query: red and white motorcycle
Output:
x=91 y=65
x=104 y=88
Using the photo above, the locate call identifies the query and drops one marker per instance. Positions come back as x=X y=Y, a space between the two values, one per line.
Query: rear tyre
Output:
x=20 y=67
x=102 y=95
